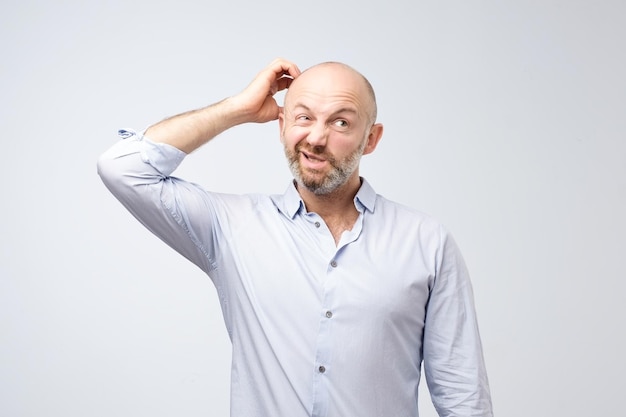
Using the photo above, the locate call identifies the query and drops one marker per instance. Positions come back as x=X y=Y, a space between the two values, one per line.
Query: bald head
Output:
x=330 y=76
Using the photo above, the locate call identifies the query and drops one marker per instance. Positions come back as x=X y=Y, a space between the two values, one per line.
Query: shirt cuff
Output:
x=161 y=156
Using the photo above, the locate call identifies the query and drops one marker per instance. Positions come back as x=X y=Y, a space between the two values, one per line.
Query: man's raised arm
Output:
x=137 y=171
x=190 y=130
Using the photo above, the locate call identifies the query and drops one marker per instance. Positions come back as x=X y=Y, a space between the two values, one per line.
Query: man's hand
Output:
x=257 y=101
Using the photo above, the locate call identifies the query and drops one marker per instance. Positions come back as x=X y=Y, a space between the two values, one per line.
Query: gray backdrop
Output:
x=505 y=120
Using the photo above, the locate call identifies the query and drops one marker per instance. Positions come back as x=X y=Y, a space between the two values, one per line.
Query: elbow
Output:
x=115 y=171
x=105 y=167
x=118 y=162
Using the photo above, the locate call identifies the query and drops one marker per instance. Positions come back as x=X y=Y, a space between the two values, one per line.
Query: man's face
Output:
x=325 y=127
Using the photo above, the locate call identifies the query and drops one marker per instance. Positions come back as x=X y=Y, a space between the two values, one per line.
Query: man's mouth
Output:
x=313 y=161
x=313 y=157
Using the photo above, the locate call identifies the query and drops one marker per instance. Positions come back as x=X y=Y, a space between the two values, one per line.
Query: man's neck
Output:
x=336 y=208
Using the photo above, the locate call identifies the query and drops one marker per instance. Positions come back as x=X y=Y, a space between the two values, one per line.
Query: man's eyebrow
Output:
x=303 y=106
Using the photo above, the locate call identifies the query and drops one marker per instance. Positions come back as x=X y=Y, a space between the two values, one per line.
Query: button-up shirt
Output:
x=318 y=328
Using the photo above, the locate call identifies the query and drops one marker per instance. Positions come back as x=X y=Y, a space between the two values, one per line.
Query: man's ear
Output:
x=376 y=133
x=281 y=121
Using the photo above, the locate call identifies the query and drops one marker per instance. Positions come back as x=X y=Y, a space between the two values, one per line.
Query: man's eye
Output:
x=302 y=117
x=341 y=123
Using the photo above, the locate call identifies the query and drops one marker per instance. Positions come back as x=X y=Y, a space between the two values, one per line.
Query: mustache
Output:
x=314 y=150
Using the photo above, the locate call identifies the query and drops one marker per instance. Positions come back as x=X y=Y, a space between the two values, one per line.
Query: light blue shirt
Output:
x=318 y=328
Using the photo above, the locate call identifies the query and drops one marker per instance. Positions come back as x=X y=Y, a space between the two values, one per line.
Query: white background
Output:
x=505 y=120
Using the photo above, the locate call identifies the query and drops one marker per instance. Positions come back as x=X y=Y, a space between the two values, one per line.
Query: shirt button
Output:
x=329 y=314
x=322 y=369
x=333 y=264
x=317 y=224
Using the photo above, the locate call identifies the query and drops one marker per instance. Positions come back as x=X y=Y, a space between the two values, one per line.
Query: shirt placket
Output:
x=322 y=367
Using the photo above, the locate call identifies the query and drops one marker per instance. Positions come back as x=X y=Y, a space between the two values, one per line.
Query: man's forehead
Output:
x=326 y=105
x=332 y=82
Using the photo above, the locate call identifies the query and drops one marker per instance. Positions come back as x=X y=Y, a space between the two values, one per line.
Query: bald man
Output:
x=334 y=297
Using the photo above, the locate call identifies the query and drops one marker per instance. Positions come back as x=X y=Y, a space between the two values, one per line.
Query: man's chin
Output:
x=319 y=188
x=316 y=182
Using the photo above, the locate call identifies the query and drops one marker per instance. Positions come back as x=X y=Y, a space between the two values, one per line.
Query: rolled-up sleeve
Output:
x=138 y=172
x=453 y=359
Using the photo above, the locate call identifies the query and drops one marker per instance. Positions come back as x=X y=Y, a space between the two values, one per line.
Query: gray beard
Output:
x=339 y=174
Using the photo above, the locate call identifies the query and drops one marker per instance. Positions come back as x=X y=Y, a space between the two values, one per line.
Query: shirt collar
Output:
x=292 y=203
x=366 y=196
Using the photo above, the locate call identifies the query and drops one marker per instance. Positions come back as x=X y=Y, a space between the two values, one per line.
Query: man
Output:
x=332 y=295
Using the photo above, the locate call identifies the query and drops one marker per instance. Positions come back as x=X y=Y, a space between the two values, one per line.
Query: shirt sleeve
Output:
x=138 y=172
x=453 y=360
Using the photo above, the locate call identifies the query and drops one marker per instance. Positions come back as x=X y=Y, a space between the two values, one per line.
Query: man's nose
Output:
x=318 y=135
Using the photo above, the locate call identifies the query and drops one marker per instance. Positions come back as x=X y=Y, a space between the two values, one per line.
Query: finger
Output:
x=283 y=83
x=282 y=67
